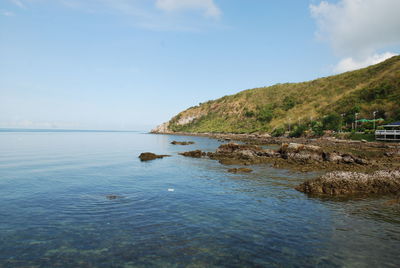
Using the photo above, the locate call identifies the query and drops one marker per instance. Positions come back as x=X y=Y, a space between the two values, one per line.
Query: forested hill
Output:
x=375 y=88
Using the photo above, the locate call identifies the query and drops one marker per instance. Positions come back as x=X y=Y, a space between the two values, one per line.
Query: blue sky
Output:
x=133 y=64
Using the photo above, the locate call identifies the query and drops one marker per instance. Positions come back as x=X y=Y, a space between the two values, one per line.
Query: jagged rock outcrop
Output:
x=163 y=128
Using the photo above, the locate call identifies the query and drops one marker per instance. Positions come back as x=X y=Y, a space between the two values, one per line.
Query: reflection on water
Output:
x=55 y=211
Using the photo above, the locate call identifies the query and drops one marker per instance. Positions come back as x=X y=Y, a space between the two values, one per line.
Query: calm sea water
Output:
x=54 y=210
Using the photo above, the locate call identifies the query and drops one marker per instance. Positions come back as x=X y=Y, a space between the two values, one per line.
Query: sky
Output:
x=133 y=64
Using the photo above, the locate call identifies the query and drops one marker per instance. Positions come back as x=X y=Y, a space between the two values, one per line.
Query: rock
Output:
x=348 y=159
x=332 y=157
x=240 y=170
x=246 y=154
x=150 y=156
x=361 y=161
x=233 y=153
x=268 y=153
x=182 y=142
x=230 y=148
x=195 y=154
x=227 y=148
x=264 y=136
x=364 y=141
x=301 y=153
x=112 y=197
x=348 y=183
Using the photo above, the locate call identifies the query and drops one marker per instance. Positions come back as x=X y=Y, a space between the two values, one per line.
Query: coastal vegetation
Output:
x=332 y=103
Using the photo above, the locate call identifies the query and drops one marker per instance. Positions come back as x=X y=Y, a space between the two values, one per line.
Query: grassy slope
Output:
x=264 y=109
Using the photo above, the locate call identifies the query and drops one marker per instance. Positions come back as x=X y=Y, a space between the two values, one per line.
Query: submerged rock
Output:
x=150 y=156
x=347 y=183
x=393 y=202
x=182 y=142
x=113 y=196
x=240 y=170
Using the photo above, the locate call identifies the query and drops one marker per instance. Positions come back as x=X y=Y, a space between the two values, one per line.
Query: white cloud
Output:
x=207 y=6
x=350 y=64
x=357 y=29
x=7 y=13
x=18 y=3
x=145 y=13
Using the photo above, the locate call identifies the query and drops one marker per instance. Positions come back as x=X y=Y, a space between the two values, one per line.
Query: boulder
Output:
x=150 y=156
x=348 y=159
x=227 y=148
x=246 y=154
x=310 y=153
x=333 y=157
x=301 y=152
x=195 y=154
x=348 y=183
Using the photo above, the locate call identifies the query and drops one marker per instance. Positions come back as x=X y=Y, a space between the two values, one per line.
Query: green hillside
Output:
x=376 y=88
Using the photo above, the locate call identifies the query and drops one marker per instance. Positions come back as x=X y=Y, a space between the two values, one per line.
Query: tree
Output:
x=265 y=114
x=332 y=121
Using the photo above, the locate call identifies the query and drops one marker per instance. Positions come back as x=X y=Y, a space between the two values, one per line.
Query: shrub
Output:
x=288 y=103
x=249 y=113
x=278 y=132
x=298 y=131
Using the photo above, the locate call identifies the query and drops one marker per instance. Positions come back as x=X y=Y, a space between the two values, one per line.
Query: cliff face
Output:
x=375 y=88
x=163 y=128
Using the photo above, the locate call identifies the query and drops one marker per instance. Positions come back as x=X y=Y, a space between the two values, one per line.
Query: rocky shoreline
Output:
x=379 y=155
x=352 y=167
x=296 y=156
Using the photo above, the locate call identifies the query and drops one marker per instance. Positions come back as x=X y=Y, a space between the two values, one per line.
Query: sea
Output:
x=84 y=199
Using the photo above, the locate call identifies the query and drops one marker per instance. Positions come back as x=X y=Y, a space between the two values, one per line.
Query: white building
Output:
x=391 y=132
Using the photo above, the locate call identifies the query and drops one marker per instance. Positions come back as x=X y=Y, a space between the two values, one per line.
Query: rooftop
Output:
x=397 y=124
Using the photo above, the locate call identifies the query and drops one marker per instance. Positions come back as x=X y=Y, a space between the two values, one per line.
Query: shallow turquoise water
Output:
x=54 y=211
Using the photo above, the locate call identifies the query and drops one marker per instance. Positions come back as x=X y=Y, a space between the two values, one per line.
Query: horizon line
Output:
x=2 y=129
